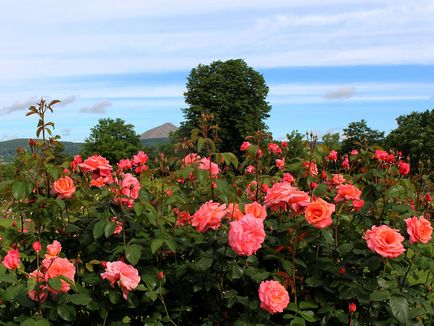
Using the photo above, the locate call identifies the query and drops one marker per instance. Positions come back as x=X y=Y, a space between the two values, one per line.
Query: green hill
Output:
x=8 y=148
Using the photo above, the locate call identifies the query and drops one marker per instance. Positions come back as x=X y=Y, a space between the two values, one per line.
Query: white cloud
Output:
x=66 y=132
x=18 y=106
x=67 y=100
x=99 y=107
x=341 y=93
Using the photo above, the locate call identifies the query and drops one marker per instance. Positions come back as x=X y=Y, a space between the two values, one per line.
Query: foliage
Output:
x=113 y=139
x=358 y=135
x=331 y=141
x=187 y=277
x=414 y=136
x=296 y=145
x=234 y=93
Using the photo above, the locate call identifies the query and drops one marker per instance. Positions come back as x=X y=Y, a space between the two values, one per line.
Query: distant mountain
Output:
x=160 y=132
x=8 y=148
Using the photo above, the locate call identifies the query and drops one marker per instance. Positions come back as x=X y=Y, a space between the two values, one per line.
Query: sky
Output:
x=326 y=63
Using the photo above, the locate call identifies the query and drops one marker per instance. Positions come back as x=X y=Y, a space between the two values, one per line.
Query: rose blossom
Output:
x=280 y=163
x=98 y=165
x=130 y=188
x=347 y=192
x=354 y=152
x=246 y=236
x=40 y=294
x=380 y=155
x=385 y=241
x=283 y=194
x=118 y=227
x=191 y=158
x=288 y=177
x=358 y=204
x=273 y=296
x=209 y=216
x=58 y=267
x=124 y=165
x=233 y=211
x=64 y=187
x=36 y=246
x=140 y=158
x=126 y=276
x=53 y=249
x=345 y=163
x=256 y=209
x=250 y=169
x=12 y=259
x=404 y=168
x=206 y=164
x=244 y=146
x=419 y=229
x=318 y=213
x=274 y=148
x=333 y=156
x=337 y=179
x=183 y=218
x=311 y=168
x=75 y=162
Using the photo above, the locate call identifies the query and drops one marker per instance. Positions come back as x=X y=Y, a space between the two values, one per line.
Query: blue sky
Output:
x=327 y=63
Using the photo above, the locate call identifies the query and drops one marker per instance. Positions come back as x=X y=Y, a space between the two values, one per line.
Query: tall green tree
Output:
x=414 y=136
x=358 y=134
x=234 y=93
x=331 y=141
x=113 y=139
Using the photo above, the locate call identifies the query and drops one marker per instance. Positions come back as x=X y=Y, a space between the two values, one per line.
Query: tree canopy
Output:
x=414 y=136
x=234 y=93
x=358 y=134
x=113 y=139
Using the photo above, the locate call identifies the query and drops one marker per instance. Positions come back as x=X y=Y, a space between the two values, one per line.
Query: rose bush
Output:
x=193 y=239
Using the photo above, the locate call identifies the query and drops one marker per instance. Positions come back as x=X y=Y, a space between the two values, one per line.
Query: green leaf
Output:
x=170 y=244
x=156 y=244
x=55 y=283
x=109 y=228
x=379 y=295
x=308 y=315
x=395 y=191
x=19 y=190
x=66 y=312
x=306 y=305
x=204 y=263
x=133 y=253
x=42 y=322
x=80 y=298
x=297 y=321
x=320 y=190
x=399 y=308
x=98 y=229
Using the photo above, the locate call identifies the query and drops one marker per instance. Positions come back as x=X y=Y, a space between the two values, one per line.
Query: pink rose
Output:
x=273 y=296
x=209 y=216
x=12 y=259
x=354 y=152
x=191 y=158
x=337 y=179
x=53 y=249
x=345 y=163
x=419 y=229
x=333 y=156
x=385 y=241
x=256 y=209
x=244 y=146
x=96 y=164
x=124 y=165
x=288 y=177
x=380 y=155
x=126 y=276
x=206 y=164
x=274 y=148
x=246 y=235
x=233 y=211
x=404 y=168
x=118 y=227
x=36 y=246
x=319 y=213
x=283 y=195
x=58 y=267
x=40 y=294
x=140 y=158
x=129 y=191
x=280 y=163
x=347 y=192
x=311 y=168
x=250 y=169
x=64 y=187
x=358 y=204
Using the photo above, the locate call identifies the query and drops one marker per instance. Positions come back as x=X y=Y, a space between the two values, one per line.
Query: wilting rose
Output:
x=64 y=187
x=126 y=276
x=385 y=241
x=12 y=259
x=419 y=229
x=246 y=235
x=209 y=216
x=273 y=296
x=319 y=213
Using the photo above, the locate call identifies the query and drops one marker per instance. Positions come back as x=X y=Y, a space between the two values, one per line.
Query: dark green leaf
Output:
x=66 y=312
x=156 y=244
x=133 y=253
x=80 y=298
x=399 y=308
x=98 y=229
x=55 y=283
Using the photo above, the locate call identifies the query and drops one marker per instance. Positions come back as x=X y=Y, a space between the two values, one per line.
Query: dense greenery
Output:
x=113 y=139
x=234 y=93
x=414 y=136
x=358 y=135
x=174 y=230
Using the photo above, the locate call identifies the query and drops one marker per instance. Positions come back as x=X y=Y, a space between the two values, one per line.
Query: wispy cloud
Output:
x=341 y=93
x=18 y=106
x=99 y=107
x=67 y=100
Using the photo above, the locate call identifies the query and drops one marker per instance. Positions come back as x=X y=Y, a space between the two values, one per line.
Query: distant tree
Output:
x=331 y=141
x=414 y=136
x=234 y=93
x=113 y=139
x=296 y=145
x=358 y=135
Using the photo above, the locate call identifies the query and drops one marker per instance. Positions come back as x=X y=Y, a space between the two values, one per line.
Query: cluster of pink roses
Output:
x=387 y=242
